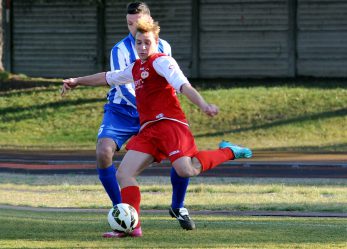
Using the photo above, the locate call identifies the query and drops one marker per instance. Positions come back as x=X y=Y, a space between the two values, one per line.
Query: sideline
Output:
x=196 y=212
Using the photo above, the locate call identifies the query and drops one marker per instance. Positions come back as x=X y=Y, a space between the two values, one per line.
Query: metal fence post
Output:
x=292 y=38
x=101 y=39
x=195 y=69
x=7 y=35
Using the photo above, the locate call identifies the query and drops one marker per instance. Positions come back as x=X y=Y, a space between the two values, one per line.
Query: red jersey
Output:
x=155 y=98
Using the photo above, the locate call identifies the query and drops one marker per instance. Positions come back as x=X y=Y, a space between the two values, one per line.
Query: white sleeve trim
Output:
x=120 y=77
x=167 y=67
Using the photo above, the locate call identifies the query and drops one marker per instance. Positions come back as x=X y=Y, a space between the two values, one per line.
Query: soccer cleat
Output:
x=114 y=234
x=136 y=233
x=239 y=152
x=182 y=215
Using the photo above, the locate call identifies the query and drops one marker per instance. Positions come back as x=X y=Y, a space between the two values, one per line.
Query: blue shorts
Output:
x=119 y=125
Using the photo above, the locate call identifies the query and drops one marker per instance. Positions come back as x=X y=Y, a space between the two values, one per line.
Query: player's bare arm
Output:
x=98 y=79
x=194 y=96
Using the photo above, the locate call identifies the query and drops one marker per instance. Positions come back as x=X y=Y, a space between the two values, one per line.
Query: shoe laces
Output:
x=183 y=212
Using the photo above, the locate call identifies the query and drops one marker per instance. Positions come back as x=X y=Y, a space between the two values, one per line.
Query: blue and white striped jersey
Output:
x=122 y=55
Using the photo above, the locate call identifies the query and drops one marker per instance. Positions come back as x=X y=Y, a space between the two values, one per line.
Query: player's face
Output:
x=131 y=21
x=145 y=44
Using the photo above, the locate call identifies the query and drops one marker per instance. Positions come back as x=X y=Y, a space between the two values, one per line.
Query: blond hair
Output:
x=145 y=25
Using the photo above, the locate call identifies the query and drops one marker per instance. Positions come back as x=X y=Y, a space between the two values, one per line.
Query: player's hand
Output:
x=68 y=84
x=210 y=109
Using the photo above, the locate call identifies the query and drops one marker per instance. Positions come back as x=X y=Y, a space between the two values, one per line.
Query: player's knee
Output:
x=119 y=175
x=184 y=172
x=184 y=167
x=123 y=177
x=104 y=152
x=104 y=155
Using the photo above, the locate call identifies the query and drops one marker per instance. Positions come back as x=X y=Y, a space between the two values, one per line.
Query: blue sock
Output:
x=109 y=181
x=179 y=188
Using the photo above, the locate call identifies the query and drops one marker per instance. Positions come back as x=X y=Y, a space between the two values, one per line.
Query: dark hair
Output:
x=138 y=8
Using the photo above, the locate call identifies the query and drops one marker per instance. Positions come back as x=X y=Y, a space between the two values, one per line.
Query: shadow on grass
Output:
x=30 y=112
x=306 y=82
x=323 y=115
x=29 y=91
x=25 y=84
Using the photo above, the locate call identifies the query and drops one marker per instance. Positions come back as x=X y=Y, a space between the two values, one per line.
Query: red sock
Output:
x=132 y=196
x=210 y=159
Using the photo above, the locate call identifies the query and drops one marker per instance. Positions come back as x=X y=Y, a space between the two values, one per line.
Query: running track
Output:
x=263 y=164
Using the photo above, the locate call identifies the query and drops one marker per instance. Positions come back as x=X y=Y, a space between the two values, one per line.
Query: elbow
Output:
x=184 y=87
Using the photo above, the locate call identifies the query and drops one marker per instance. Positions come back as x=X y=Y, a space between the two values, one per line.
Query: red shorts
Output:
x=164 y=139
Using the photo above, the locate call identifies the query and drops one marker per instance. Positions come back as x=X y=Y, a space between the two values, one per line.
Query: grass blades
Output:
x=30 y=229
x=236 y=194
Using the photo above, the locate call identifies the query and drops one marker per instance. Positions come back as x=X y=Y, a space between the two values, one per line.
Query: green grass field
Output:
x=66 y=229
x=235 y=194
x=274 y=117
x=27 y=229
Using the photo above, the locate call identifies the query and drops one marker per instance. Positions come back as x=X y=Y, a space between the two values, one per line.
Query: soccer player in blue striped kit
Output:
x=121 y=121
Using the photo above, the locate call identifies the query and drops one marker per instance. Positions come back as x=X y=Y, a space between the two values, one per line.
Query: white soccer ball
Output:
x=123 y=218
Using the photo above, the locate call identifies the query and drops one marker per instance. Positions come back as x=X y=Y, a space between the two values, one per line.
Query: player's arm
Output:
x=194 y=96
x=167 y=67
x=119 y=77
x=98 y=79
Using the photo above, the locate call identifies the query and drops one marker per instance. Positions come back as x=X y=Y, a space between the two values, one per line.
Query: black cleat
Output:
x=182 y=215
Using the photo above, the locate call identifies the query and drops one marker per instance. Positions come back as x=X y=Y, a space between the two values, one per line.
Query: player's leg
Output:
x=179 y=189
x=202 y=161
x=167 y=134
x=132 y=165
x=106 y=170
x=212 y=158
x=105 y=148
x=141 y=153
x=177 y=209
x=116 y=128
x=209 y=159
x=191 y=162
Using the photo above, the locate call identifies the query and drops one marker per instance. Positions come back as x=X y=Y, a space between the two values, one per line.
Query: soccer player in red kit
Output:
x=164 y=131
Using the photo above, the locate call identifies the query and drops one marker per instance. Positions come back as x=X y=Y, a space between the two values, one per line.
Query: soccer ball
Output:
x=123 y=218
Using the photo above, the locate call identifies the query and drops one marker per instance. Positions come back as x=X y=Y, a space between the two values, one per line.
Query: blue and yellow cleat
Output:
x=239 y=152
